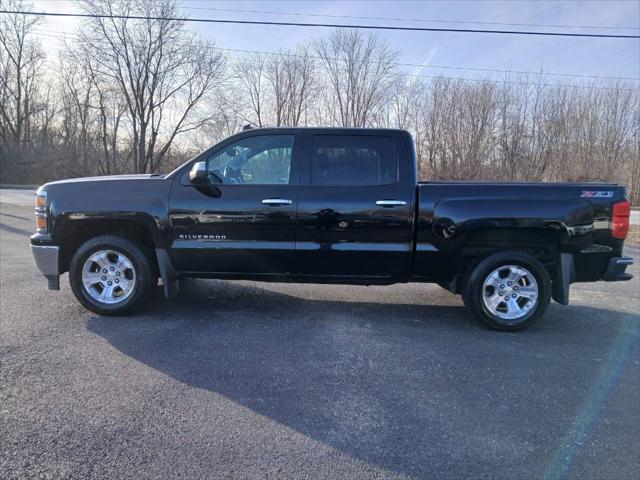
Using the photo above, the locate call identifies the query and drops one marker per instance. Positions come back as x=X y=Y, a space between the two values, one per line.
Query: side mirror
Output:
x=198 y=174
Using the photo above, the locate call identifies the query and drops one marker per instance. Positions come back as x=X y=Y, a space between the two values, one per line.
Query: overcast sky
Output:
x=585 y=56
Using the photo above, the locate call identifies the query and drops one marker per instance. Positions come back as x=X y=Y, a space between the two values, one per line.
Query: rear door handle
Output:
x=277 y=201
x=391 y=203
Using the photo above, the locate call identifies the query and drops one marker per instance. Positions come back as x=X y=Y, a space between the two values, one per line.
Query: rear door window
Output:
x=353 y=160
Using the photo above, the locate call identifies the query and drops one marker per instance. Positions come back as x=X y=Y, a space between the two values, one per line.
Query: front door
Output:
x=354 y=206
x=243 y=221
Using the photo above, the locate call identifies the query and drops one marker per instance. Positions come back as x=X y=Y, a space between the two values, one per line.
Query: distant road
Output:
x=25 y=197
x=16 y=197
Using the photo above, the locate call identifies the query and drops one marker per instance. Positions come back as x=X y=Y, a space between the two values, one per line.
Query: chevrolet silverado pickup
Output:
x=329 y=205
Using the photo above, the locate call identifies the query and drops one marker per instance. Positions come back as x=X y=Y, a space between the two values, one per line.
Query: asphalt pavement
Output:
x=257 y=380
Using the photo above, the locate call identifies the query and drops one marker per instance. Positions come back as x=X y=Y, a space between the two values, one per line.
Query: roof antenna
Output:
x=248 y=126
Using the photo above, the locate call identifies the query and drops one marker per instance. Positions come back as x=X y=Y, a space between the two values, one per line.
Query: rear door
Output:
x=244 y=221
x=354 y=206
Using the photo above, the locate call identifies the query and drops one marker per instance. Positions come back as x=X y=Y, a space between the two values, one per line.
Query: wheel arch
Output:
x=544 y=244
x=75 y=229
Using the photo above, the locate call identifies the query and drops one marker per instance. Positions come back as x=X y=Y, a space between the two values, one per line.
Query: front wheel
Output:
x=508 y=291
x=110 y=275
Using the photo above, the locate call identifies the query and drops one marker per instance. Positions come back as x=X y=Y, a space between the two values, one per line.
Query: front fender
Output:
x=142 y=201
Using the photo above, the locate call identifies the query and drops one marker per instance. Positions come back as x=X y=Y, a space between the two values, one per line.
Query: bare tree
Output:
x=163 y=73
x=433 y=153
x=79 y=118
x=21 y=71
x=406 y=104
x=361 y=73
x=277 y=89
x=249 y=74
x=291 y=77
x=111 y=108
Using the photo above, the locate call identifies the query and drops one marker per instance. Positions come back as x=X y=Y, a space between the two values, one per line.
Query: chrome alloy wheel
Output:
x=510 y=292
x=108 y=276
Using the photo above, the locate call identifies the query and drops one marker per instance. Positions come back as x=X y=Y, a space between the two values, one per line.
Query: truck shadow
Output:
x=17 y=231
x=409 y=388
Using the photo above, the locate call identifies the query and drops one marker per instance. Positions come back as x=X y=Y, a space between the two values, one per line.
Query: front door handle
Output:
x=277 y=201
x=391 y=203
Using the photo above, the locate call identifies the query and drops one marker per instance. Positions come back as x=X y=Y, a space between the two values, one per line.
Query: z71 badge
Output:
x=597 y=194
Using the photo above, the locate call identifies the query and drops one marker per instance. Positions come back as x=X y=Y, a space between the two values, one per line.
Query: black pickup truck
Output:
x=325 y=205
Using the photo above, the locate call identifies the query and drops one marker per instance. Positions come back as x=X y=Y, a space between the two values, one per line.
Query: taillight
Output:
x=620 y=219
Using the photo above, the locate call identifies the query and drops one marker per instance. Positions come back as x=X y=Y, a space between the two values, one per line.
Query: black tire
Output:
x=141 y=261
x=474 y=291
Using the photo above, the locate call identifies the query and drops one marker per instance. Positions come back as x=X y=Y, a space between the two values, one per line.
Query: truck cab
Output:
x=325 y=204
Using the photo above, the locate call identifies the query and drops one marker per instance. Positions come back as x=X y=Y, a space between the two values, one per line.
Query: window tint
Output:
x=261 y=160
x=353 y=160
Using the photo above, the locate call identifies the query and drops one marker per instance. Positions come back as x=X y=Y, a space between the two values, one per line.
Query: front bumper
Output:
x=46 y=258
x=616 y=269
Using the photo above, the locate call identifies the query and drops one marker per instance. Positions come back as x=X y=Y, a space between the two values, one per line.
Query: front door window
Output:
x=260 y=160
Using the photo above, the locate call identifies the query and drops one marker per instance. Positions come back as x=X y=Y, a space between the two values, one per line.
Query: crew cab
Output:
x=329 y=205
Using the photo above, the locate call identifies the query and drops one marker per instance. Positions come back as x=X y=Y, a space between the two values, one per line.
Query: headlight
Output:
x=41 y=211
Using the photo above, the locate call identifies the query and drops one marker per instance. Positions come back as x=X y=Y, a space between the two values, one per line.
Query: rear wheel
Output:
x=111 y=275
x=508 y=291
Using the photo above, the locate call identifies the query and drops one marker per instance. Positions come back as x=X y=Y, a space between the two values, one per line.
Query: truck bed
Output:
x=455 y=217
